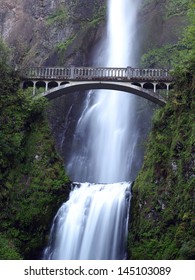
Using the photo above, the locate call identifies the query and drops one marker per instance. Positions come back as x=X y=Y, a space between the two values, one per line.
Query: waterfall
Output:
x=92 y=224
x=104 y=140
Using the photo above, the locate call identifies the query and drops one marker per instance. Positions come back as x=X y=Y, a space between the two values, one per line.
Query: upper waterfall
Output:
x=105 y=137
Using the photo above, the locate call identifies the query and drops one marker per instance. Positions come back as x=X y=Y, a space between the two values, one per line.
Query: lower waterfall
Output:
x=92 y=224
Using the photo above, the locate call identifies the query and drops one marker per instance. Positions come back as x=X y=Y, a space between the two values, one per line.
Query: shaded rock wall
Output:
x=159 y=23
x=40 y=32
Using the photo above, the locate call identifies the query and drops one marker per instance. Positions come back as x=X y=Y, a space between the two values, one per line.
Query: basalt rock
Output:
x=40 y=32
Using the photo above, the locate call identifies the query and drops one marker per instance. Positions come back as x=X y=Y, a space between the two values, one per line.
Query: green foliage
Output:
x=162 y=214
x=7 y=249
x=176 y=7
x=4 y=55
x=180 y=56
x=161 y=57
x=162 y=208
x=35 y=188
x=187 y=53
x=162 y=205
x=33 y=183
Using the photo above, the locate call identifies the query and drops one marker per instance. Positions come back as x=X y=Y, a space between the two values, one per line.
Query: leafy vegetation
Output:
x=176 y=7
x=163 y=221
x=162 y=217
x=163 y=57
x=187 y=52
x=32 y=180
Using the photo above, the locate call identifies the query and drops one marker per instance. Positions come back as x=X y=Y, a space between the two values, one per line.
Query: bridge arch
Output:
x=26 y=84
x=136 y=84
x=64 y=83
x=40 y=84
x=75 y=86
x=52 y=84
x=148 y=85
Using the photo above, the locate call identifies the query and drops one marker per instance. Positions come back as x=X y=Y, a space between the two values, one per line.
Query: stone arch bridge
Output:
x=152 y=84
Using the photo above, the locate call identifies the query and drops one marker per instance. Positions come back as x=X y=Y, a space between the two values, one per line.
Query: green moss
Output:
x=98 y=17
x=62 y=47
x=60 y=16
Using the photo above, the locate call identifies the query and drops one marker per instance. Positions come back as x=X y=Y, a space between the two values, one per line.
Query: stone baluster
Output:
x=38 y=72
x=72 y=76
x=54 y=72
x=129 y=73
x=42 y=72
x=99 y=73
x=64 y=72
x=67 y=73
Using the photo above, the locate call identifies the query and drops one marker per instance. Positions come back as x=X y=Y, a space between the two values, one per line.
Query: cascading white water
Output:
x=92 y=224
x=104 y=139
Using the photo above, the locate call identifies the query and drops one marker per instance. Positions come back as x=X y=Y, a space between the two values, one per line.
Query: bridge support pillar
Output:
x=168 y=88
x=46 y=85
x=155 y=84
x=142 y=85
x=34 y=87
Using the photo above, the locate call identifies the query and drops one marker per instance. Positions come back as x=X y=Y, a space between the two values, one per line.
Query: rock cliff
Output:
x=64 y=32
x=50 y=32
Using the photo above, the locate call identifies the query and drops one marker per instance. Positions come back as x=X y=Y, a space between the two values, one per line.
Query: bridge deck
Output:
x=100 y=73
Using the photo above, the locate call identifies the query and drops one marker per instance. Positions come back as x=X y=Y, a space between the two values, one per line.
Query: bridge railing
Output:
x=92 y=73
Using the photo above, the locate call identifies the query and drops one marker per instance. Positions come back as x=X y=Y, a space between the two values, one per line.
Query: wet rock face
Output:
x=39 y=32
